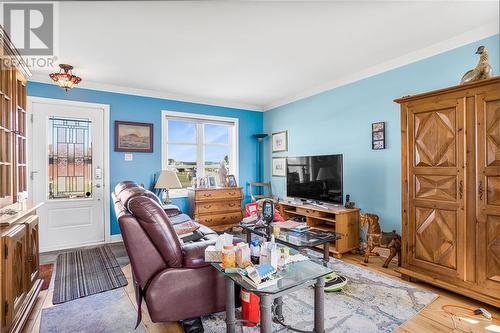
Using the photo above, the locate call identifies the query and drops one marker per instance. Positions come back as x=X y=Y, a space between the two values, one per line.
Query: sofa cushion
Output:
x=156 y=224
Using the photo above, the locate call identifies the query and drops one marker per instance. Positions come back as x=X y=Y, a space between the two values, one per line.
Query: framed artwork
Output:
x=378 y=135
x=231 y=181
x=211 y=182
x=280 y=141
x=279 y=167
x=133 y=137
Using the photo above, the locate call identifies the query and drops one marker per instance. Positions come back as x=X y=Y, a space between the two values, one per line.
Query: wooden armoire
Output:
x=450 y=157
x=19 y=258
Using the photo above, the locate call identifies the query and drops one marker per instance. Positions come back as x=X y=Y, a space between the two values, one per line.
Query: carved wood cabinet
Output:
x=451 y=188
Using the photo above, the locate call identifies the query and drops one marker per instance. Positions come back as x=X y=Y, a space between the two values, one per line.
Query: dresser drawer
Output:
x=218 y=219
x=218 y=207
x=311 y=212
x=219 y=194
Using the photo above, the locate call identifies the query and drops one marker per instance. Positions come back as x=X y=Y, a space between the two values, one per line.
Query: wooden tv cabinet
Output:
x=344 y=221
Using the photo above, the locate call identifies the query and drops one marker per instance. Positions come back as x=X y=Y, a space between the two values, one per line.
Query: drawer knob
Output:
x=207 y=194
x=207 y=206
x=232 y=204
x=232 y=193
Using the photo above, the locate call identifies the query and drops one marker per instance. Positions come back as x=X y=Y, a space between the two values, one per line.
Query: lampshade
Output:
x=168 y=179
x=65 y=78
x=325 y=174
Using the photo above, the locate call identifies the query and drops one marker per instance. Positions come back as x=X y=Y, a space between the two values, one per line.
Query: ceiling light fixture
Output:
x=65 y=78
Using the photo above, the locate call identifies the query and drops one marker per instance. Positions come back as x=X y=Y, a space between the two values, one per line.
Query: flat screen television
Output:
x=317 y=178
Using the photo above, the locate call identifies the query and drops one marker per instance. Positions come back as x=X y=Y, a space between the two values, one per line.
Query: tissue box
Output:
x=212 y=255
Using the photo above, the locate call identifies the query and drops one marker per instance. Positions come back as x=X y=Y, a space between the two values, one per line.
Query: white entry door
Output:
x=67 y=172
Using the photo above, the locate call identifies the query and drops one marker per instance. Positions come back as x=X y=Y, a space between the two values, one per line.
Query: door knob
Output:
x=98 y=185
x=32 y=174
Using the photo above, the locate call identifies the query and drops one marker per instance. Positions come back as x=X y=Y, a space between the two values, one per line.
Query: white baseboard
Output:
x=115 y=238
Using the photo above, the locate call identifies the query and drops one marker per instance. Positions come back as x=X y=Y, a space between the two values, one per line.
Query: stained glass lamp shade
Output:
x=65 y=78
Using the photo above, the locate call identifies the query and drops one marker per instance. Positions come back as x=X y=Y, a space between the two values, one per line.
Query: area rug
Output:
x=45 y=273
x=107 y=312
x=370 y=303
x=86 y=272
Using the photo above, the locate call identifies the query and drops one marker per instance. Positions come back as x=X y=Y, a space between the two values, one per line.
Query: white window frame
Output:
x=200 y=119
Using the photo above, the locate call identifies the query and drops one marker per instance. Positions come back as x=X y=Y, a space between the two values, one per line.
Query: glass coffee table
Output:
x=295 y=276
x=297 y=240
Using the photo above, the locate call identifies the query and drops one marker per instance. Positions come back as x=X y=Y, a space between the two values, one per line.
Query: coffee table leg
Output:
x=278 y=302
x=266 y=315
x=326 y=254
x=319 y=305
x=230 y=306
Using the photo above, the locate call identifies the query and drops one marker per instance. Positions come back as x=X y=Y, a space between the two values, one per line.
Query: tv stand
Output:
x=343 y=221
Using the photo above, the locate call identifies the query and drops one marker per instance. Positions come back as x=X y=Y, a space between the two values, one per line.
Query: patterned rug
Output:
x=46 y=275
x=107 y=312
x=86 y=272
x=370 y=303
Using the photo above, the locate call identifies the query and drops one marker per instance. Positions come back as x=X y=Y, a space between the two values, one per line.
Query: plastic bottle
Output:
x=255 y=251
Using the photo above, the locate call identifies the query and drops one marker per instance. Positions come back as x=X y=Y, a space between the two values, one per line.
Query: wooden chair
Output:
x=264 y=191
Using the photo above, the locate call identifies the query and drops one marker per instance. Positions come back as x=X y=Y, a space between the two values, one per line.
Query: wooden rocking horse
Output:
x=376 y=237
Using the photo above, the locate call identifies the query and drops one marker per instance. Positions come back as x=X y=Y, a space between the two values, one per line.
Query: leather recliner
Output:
x=170 y=276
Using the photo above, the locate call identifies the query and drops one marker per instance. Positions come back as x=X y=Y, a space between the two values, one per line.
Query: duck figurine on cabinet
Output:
x=483 y=69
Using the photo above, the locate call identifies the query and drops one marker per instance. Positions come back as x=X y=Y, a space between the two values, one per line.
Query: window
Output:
x=194 y=145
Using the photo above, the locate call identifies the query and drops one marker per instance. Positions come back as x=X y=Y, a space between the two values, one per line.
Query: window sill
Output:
x=180 y=193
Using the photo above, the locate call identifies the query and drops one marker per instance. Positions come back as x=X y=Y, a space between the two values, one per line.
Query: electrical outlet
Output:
x=129 y=157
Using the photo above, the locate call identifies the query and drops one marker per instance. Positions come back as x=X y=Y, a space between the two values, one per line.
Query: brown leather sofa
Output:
x=170 y=276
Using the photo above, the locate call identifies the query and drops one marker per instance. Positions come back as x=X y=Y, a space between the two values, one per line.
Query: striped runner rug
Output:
x=86 y=272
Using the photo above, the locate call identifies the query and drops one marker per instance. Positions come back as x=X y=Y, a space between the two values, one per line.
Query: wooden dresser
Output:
x=450 y=157
x=344 y=221
x=217 y=208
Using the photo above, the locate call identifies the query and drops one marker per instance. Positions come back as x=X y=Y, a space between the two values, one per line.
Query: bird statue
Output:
x=483 y=69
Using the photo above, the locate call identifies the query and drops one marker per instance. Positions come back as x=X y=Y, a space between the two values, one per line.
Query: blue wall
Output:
x=339 y=121
x=147 y=109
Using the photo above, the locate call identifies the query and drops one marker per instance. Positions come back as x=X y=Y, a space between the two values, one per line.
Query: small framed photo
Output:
x=231 y=181
x=378 y=135
x=133 y=137
x=280 y=141
x=211 y=182
x=279 y=167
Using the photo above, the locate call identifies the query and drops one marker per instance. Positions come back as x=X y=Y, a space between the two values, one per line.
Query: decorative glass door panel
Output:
x=70 y=158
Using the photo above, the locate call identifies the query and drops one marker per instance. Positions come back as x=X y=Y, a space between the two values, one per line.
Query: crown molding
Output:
x=482 y=32
x=151 y=93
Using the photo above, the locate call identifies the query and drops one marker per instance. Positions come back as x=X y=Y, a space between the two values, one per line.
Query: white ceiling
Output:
x=255 y=54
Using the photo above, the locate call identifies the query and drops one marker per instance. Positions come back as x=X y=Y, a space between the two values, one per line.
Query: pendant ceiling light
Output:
x=65 y=78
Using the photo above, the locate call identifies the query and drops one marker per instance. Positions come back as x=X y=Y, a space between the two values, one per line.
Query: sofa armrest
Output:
x=194 y=253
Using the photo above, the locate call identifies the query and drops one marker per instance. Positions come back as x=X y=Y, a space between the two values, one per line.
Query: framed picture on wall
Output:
x=279 y=167
x=133 y=137
x=280 y=141
x=378 y=135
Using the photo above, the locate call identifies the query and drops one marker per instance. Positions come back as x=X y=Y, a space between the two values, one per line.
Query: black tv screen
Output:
x=317 y=178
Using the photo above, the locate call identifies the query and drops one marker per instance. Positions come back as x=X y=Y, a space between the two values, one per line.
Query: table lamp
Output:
x=167 y=180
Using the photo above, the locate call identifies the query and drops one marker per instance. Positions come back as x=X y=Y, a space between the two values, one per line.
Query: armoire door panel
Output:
x=436 y=234
x=436 y=185
x=493 y=191
x=443 y=188
x=493 y=248
x=492 y=127
x=435 y=144
x=488 y=189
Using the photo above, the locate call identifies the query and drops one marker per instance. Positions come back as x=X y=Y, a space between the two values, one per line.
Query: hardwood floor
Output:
x=431 y=319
